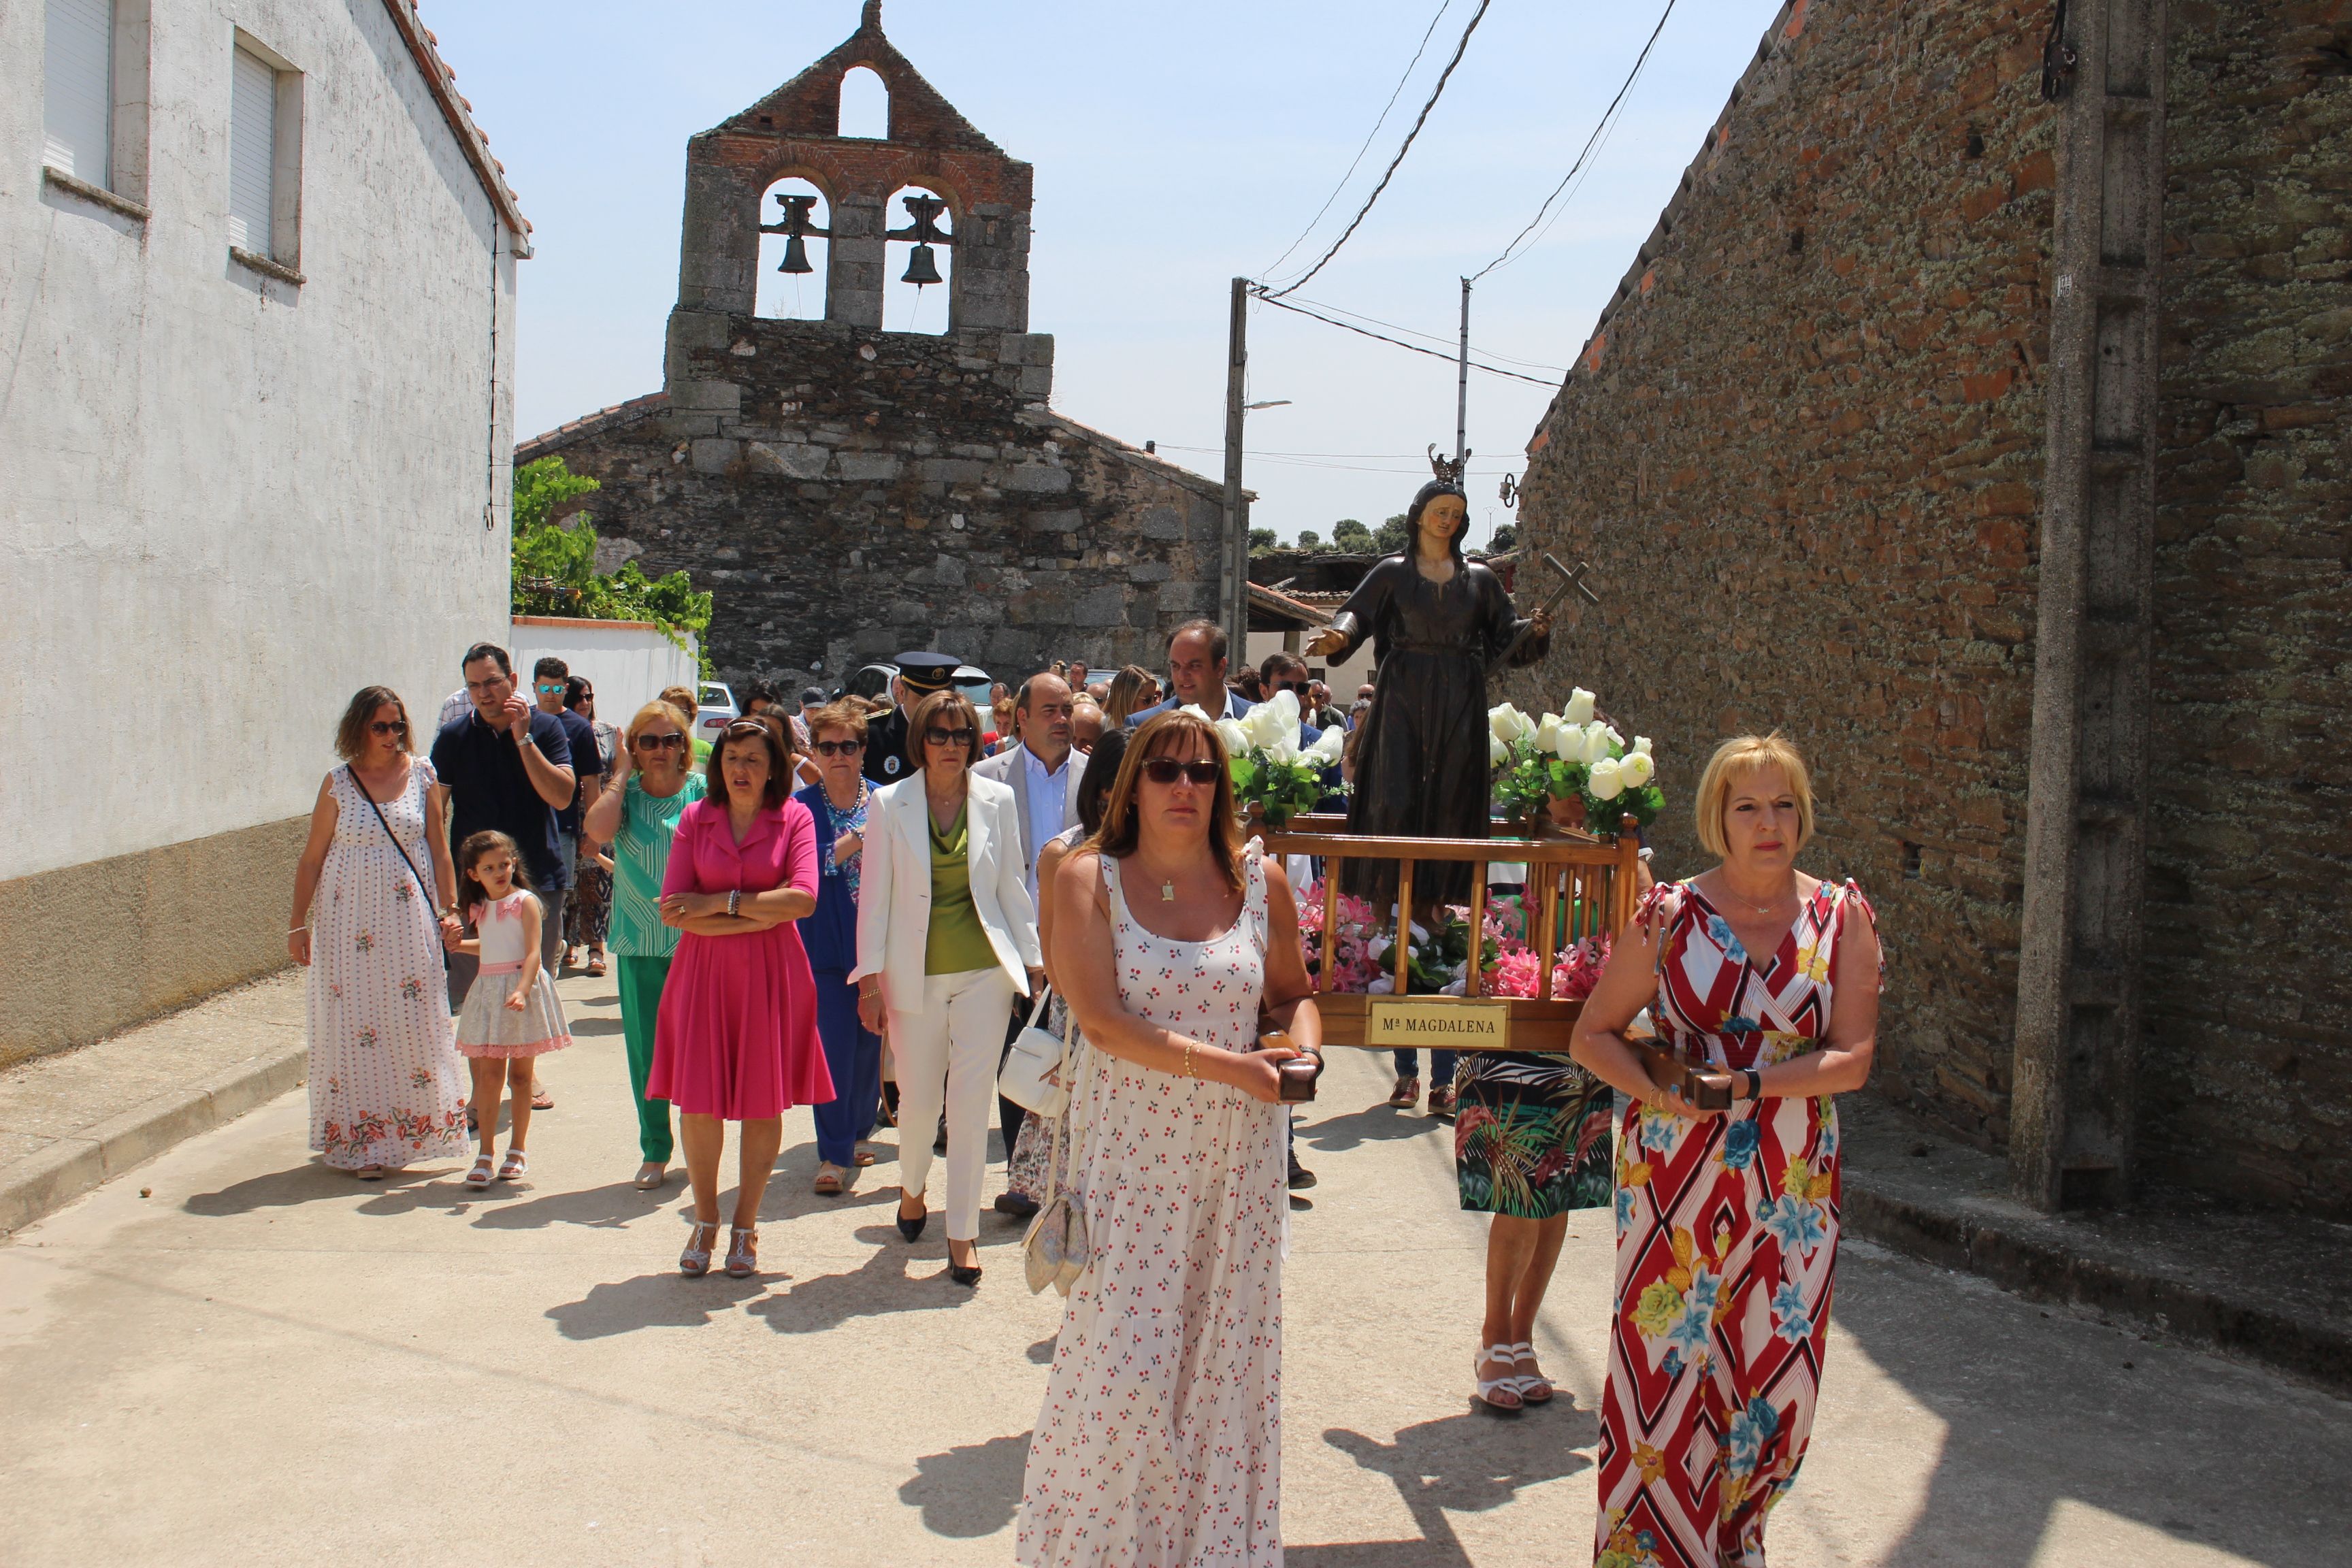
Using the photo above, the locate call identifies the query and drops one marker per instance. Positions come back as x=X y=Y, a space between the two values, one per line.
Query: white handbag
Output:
x=1027 y=1077
x=1056 y=1251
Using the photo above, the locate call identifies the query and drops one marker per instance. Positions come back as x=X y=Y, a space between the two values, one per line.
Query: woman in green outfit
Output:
x=649 y=787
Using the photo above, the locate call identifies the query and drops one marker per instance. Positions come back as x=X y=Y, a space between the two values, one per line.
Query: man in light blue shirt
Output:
x=1043 y=773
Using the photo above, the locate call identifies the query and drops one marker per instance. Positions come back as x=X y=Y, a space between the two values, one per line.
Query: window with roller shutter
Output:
x=77 y=103
x=252 y=153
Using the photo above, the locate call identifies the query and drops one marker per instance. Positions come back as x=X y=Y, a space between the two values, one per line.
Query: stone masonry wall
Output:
x=2247 y=1066
x=846 y=493
x=1801 y=452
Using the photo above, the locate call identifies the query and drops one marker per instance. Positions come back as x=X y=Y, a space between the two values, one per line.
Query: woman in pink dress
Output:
x=736 y=1039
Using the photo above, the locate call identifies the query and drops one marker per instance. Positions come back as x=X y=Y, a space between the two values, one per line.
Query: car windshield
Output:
x=716 y=696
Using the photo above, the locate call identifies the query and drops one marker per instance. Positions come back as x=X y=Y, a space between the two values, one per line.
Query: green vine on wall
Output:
x=555 y=570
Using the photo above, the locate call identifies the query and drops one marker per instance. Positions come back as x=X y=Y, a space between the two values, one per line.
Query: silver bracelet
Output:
x=734 y=900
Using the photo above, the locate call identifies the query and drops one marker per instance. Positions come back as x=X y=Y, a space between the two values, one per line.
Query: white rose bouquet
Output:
x=1572 y=755
x=1272 y=770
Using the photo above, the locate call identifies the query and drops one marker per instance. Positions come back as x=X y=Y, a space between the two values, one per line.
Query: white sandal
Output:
x=1530 y=1381
x=479 y=1178
x=1492 y=1391
x=517 y=1163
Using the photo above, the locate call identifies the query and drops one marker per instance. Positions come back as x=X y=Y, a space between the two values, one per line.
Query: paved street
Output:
x=265 y=1361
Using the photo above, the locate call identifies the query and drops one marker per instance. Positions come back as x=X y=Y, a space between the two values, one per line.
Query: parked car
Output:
x=871 y=681
x=975 y=683
x=714 y=711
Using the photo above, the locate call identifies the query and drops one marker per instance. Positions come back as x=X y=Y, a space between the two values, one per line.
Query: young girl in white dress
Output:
x=512 y=1015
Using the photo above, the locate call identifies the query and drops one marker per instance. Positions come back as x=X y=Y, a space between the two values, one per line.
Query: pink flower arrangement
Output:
x=1354 y=969
x=1514 y=973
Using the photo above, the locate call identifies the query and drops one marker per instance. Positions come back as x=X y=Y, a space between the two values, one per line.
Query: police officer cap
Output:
x=926 y=671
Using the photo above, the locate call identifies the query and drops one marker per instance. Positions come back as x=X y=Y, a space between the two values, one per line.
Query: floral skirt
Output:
x=1531 y=1135
x=587 y=907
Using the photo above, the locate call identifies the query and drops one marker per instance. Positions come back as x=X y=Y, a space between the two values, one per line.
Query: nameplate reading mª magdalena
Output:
x=1438 y=1022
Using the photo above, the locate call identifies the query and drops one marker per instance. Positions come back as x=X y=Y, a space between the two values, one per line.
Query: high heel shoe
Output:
x=964 y=1274
x=912 y=1229
x=742 y=1252
x=695 y=1261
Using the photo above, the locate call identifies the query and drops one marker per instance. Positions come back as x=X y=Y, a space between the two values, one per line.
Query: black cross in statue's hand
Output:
x=1571 y=582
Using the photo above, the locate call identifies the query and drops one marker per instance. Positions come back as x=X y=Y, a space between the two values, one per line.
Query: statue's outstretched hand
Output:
x=1330 y=640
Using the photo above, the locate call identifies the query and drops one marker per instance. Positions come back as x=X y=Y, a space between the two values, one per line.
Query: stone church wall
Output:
x=847 y=492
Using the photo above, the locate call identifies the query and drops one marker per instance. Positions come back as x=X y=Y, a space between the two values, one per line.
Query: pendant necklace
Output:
x=1167 y=892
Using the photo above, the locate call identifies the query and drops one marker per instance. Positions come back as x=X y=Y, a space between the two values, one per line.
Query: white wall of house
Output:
x=629 y=663
x=228 y=499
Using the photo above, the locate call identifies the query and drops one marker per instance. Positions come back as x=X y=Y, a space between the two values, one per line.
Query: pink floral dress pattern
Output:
x=387 y=1086
x=1161 y=1440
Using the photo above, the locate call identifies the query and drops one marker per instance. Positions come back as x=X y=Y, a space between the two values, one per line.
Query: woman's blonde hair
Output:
x=1126 y=690
x=1742 y=757
x=653 y=710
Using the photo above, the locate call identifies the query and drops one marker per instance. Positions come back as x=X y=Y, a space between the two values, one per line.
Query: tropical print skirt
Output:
x=1531 y=1135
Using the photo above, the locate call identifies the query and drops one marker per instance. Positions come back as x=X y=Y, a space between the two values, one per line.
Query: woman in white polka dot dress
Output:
x=1161 y=1441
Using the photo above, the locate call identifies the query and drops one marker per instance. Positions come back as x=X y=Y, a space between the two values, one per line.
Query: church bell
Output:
x=795 y=256
x=921 y=269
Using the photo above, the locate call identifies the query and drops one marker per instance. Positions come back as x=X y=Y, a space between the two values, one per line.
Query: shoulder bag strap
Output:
x=388 y=833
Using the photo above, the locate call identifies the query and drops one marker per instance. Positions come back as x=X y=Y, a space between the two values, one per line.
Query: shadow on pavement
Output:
x=1042 y=1352
x=653 y=1301
x=594 y=1026
x=968 y=1491
x=2231 y=1458
x=893 y=1280
x=1468 y=1463
x=310 y=1181
x=1377 y=1125
x=607 y=1207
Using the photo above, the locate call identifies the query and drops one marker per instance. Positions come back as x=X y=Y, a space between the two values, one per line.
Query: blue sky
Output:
x=1175 y=146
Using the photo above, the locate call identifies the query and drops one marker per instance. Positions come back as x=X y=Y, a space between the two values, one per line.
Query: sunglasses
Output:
x=1168 y=770
x=558 y=689
x=388 y=727
x=1298 y=686
x=669 y=742
x=840 y=748
x=939 y=737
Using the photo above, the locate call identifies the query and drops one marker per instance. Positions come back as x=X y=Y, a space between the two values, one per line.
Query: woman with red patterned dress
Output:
x=1727 y=1221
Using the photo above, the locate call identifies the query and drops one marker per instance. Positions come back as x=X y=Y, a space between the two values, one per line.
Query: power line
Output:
x=1590 y=143
x=1433 y=337
x=1435 y=92
x=1354 y=162
x=1399 y=343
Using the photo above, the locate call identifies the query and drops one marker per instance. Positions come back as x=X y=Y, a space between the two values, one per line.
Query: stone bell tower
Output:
x=795 y=132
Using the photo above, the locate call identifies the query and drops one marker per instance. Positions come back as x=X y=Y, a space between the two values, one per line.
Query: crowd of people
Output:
x=856 y=909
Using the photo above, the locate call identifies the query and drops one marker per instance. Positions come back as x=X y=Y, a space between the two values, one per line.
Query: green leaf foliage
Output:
x=555 y=567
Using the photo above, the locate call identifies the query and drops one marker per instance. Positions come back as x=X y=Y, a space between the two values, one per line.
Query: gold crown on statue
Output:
x=1449 y=470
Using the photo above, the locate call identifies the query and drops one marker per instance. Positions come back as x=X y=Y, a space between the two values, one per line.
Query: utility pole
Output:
x=2073 y=1120
x=1462 y=384
x=1232 y=600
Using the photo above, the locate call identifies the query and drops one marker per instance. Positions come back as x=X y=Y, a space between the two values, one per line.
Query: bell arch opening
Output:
x=919 y=269
x=865 y=104
x=793 y=251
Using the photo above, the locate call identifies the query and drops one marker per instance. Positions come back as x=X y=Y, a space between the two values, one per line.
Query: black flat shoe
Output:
x=912 y=1229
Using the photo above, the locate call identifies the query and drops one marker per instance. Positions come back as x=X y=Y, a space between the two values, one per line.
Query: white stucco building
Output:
x=257 y=305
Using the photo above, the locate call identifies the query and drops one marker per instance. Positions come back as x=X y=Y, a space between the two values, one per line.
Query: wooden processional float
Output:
x=1579 y=886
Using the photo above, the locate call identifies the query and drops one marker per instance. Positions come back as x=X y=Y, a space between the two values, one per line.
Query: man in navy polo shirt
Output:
x=507 y=765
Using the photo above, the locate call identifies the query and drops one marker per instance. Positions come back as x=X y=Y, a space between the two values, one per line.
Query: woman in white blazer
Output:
x=947 y=937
